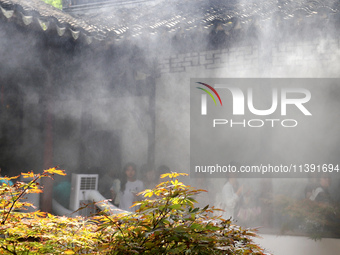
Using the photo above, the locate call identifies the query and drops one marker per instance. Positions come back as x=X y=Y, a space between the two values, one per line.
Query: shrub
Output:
x=314 y=219
x=167 y=222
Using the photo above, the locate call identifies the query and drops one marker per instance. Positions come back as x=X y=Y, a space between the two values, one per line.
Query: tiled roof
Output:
x=38 y=14
x=111 y=20
x=169 y=16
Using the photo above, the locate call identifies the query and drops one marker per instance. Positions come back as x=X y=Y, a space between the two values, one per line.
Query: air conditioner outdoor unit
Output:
x=82 y=185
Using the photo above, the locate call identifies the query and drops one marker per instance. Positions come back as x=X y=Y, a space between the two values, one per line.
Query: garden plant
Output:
x=167 y=222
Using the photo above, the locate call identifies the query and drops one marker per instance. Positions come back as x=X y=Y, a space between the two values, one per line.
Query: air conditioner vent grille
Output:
x=88 y=183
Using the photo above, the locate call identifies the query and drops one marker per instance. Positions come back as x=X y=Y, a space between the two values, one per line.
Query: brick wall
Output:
x=254 y=57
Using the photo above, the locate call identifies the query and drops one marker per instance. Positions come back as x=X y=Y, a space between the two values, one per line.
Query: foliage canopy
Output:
x=55 y=3
x=167 y=222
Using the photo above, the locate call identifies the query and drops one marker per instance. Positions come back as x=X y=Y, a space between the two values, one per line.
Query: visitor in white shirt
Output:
x=228 y=198
x=130 y=187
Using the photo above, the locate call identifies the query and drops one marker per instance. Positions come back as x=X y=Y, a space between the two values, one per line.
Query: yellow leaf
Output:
x=34 y=191
x=28 y=175
x=53 y=170
x=69 y=252
x=173 y=175
x=12 y=178
x=165 y=175
x=40 y=214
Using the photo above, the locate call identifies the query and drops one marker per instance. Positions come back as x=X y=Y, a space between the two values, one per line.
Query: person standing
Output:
x=229 y=198
x=130 y=187
x=321 y=192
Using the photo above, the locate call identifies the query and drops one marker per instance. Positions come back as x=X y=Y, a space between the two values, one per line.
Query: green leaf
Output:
x=175 y=206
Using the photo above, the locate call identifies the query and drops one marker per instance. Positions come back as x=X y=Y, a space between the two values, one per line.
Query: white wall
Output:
x=298 y=245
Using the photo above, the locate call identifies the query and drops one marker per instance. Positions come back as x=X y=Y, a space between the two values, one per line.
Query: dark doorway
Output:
x=100 y=151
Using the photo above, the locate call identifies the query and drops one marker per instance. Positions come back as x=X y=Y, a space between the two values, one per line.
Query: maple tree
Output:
x=167 y=222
